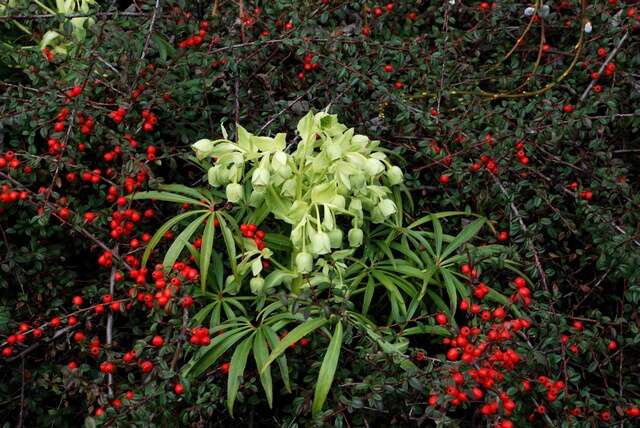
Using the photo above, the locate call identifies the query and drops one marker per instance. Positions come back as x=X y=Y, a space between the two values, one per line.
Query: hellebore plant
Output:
x=333 y=178
x=315 y=229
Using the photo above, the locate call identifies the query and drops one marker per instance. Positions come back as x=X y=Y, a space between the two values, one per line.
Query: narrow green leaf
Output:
x=294 y=335
x=426 y=329
x=167 y=197
x=437 y=234
x=394 y=294
x=229 y=242
x=209 y=355
x=181 y=241
x=260 y=354
x=153 y=242
x=327 y=370
x=451 y=290
x=272 y=337
x=416 y=301
x=465 y=235
x=205 y=250
x=185 y=190
x=368 y=295
x=236 y=371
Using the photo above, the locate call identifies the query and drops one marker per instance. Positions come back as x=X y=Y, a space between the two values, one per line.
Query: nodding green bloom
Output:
x=279 y=164
x=260 y=177
x=355 y=236
x=235 y=192
x=355 y=208
x=320 y=243
x=203 y=148
x=304 y=262
x=373 y=167
x=387 y=207
x=394 y=175
x=335 y=238
x=257 y=285
x=338 y=201
x=256 y=198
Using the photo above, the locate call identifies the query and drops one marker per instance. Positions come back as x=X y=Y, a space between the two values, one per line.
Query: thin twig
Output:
x=21 y=415
x=604 y=64
x=44 y=16
x=536 y=259
x=153 y=22
x=284 y=110
x=112 y=289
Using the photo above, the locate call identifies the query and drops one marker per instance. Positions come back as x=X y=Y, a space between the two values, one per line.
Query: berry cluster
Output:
x=196 y=39
x=118 y=115
x=521 y=154
x=309 y=65
x=252 y=231
x=150 y=120
x=9 y=196
x=200 y=336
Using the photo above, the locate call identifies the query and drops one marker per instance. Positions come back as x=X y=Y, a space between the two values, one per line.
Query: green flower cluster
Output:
x=332 y=172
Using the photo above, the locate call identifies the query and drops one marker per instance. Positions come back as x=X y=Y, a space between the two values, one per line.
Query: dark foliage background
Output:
x=456 y=99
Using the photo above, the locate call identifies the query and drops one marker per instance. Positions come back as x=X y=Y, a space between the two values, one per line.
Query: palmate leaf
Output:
x=327 y=370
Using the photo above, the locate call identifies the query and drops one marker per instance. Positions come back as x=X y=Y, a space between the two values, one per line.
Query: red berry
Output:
x=453 y=354
x=146 y=366
x=441 y=318
x=157 y=341
x=178 y=389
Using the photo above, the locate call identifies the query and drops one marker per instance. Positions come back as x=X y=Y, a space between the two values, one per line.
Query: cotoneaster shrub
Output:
x=539 y=137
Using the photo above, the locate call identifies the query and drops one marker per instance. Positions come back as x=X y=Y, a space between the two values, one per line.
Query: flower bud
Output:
x=360 y=140
x=355 y=236
x=304 y=262
x=289 y=188
x=335 y=238
x=394 y=175
x=257 y=285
